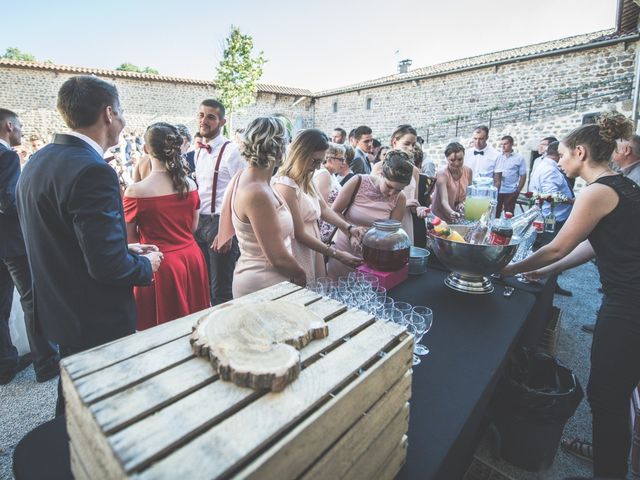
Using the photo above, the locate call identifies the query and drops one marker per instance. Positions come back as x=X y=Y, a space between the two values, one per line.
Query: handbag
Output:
x=329 y=240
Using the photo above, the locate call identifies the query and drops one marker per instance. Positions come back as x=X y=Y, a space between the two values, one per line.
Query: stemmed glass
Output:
x=413 y=330
x=427 y=316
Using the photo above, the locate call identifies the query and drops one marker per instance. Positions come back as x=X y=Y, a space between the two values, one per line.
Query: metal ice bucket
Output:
x=470 y=265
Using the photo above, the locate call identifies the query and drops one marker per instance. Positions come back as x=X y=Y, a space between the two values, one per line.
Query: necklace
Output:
x=601 y=174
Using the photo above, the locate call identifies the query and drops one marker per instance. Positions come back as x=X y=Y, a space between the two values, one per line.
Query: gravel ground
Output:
x=25 y=404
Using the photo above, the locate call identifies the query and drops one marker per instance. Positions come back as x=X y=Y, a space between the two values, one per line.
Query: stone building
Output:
x=527 y=92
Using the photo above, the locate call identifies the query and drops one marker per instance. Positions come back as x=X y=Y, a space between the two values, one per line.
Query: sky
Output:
x=317 y=45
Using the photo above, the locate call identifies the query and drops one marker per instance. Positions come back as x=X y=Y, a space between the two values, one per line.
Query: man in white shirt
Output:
x=481 y=158
x=509 y=175
x=627 y=158
x=548 y=178
x=217 y=160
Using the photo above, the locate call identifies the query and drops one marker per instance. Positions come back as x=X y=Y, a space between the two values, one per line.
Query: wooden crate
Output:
x=145 y=407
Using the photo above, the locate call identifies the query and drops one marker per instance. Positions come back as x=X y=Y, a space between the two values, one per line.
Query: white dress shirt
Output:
x=512 y=166
x=482 y=165
x=230 y=163
x=547 y=178
x=90 y=141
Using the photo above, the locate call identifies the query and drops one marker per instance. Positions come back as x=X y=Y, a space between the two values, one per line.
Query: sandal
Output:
x=579 y=448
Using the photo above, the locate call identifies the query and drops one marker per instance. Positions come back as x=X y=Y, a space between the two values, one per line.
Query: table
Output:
x=470 y=341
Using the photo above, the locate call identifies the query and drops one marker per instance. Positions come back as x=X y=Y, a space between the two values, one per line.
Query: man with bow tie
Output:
x=481 y=158
x=217 y=160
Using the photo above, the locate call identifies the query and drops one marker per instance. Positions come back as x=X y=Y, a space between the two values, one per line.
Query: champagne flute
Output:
x=427 y=314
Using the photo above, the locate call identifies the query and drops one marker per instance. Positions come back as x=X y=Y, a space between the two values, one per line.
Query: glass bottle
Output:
x=501 y=231
x=478 y=233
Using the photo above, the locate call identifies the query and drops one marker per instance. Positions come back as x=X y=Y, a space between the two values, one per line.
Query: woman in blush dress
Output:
x=295 y=184
x=377 y=197
x=451 y=185
x=258 y=215
x=162 y=210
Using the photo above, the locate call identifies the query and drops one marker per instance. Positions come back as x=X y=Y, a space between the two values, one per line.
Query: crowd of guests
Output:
x=182 y=223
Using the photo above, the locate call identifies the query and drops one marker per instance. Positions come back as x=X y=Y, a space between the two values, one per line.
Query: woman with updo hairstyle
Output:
x=604 y=224
x=404 y=139
x=294 y=182
x=377 y=197
x=452 y=182
x=162 y=209
x=258 y=215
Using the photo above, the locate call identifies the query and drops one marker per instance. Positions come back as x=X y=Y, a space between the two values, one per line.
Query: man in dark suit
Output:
x=14 y=266
x=364 y=145
x=71 y=215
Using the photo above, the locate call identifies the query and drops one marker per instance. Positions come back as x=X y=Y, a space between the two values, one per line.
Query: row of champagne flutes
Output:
x=362 y=291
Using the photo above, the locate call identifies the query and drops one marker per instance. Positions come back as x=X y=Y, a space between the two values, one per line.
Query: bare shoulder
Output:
x=132 y=190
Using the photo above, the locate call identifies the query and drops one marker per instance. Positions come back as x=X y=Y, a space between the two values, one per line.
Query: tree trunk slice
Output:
x=256 y=345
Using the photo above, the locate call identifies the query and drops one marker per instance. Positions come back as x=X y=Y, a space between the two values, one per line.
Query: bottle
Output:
x=538 y=223
x=477 y=233
x=523 y=222
x=501 y=231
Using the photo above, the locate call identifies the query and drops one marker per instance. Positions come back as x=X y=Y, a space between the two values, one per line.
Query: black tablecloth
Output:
x=470 y=340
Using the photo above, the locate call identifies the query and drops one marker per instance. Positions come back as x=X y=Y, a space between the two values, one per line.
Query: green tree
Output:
x=13 y=53
x=238 y=73
x=130 y=67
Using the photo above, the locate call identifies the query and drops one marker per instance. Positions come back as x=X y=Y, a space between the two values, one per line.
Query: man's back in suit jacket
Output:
x=72 y=219
x=11 y=241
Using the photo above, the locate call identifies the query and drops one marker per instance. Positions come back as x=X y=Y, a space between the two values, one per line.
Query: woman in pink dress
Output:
x=404 y=138
x=451 y=185
x=258 y=215
x=294 y=182
x=162 y=210
x=377 y=198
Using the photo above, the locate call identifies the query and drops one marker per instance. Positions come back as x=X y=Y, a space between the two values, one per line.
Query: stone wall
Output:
x=32 y=92
x=527 y=99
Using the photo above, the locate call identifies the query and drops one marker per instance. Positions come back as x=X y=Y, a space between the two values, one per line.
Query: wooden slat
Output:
x=90 y=444
x=355 y=442
x=121 y=409
x=326 y=428
x=78 y=470
x=116 y=411
x=113 y=352
x=394 y=463
x=226 y=445
x=206 y=406
x=301 y=297
x=379 y=451
x=132 y=370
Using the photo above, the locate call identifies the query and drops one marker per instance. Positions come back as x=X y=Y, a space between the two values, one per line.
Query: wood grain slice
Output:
x=256 y=345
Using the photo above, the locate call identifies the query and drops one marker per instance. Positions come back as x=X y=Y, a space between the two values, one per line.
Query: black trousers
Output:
x=220 y=265
x=615 y=372
x=15 y=271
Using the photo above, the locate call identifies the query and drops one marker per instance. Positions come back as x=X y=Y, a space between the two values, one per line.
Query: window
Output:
x=369 y=103
x=335 y=107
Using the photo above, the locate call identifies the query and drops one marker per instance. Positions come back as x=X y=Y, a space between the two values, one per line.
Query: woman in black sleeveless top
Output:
x=605 y=224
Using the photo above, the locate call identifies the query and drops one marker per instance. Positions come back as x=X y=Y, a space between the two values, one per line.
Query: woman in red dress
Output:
x=162 y=209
